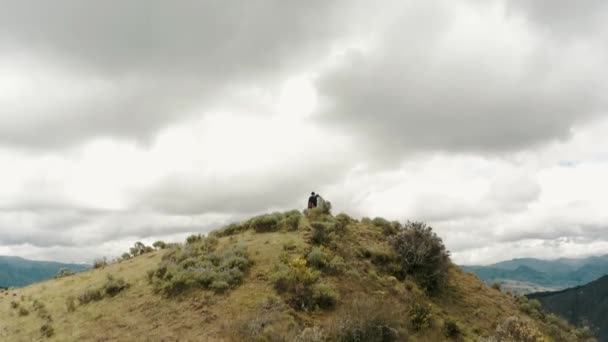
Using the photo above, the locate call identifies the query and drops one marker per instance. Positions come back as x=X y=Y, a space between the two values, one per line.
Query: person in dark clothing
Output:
x=312 y=201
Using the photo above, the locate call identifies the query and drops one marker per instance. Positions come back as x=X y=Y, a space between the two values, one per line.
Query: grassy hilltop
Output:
x=280 y=277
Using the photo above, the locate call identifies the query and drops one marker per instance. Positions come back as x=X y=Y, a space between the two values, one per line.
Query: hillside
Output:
x=528 y=275
x=280 y=277
x=580 y=305
x=16 y=271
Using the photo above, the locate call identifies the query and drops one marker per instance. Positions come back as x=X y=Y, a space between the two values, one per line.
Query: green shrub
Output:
x=316 y=258
x=125 y=256
x=198 y=265
x=324 y=296
x=421 y=255
x=337 y=265
x=451 y=329
x=496 y=286
x=139 y=249
x=291 y=220
x=90 y=295
x=100 y=263
x=114 y=286
x=23 y=311
x=159 y=244
x=70 y=306
x=367 y=319
x=300 y=283
x=270 y=321
x=64 y=272
x=232 y=229
x=290 y=246
x=322 y=233
x=388 y=228
x=14 y=304
x=265 y=223
x=311 y=334
x=420 y=316
x=194 y=238
x=531 y=307
x=516 y=329
x=46 y=330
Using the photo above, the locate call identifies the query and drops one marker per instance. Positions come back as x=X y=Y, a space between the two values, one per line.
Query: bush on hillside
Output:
x=64 y=272
x=367 y=319
x=270 y=321
x=291 y=220
x=301 y=284
x=311 y=334
x=199 y=265
x=388 y=228
x=139 y=248
x=110 y=288
x=100 y=263
x=337 y=265
x=159 y=244
x=46 y=330
x=451 y=329
x=421 y=255
x=420 y=316
x=316 y=258
x=516 y=329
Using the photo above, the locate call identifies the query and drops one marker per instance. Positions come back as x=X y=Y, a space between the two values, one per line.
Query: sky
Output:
x=140 y=120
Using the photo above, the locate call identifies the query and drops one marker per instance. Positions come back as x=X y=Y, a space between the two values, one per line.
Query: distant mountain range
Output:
x=528 y=275
x=16 y=271
x=583 y=304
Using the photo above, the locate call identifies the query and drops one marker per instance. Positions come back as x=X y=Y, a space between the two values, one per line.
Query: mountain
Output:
x=529 y=274
x=586 y=304
x=16 y=271
x=279 y=277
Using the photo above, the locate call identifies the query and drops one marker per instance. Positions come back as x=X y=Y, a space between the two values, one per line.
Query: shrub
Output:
x=289 y=246
x=232 y=229
x=300 y=283
x=337 y=265
x=269 y=322
x=421 y=255
x=367 y=319
x=100 y=263
x=311 y=334
x=23 y=311
x=159 y=244
x=14 y=304
x=70 y=306
x=496 y=286
x=324 y=296
x=197 y=265
x=46 y=330
x=420 y=316
x=516 y=329
x=114 y=286
x=265 y=223
x=316 y=258
x=194 y=238
x=64 y=272
x=291 y=220
x=140 y=249
x=387 y=227
x=531 y=307
x=451 y=329
x=322 y=232
x=125 y=256
x=90 y=295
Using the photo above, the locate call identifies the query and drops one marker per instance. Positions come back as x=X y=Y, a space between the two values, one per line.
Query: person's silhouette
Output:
x=312 y=201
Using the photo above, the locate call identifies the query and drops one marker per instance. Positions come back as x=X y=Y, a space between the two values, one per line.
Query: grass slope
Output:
x=139 y=313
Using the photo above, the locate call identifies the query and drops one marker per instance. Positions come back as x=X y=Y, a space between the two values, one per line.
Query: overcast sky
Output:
x=146 y=119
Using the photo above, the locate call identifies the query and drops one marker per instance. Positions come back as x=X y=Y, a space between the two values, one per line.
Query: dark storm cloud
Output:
x=486 y=81
x=157 y=59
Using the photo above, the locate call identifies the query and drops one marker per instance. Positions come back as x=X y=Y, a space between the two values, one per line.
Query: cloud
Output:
x=471 y=77
x=128 y=69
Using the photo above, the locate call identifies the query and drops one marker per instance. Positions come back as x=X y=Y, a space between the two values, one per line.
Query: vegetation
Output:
x=198 y=265
x=281 y=277
x=421 y=255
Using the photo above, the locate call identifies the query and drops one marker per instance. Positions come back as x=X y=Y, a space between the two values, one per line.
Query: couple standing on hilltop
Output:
x=315 y=200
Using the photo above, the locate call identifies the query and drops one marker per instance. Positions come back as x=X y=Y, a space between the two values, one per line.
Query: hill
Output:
x=529 y=275
x=16 y=271
x=280 y=277
x=586 y=304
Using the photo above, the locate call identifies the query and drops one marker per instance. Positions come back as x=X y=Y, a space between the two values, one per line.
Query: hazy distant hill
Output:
x=544 y=274
x=16 y=271
x=584 y=303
